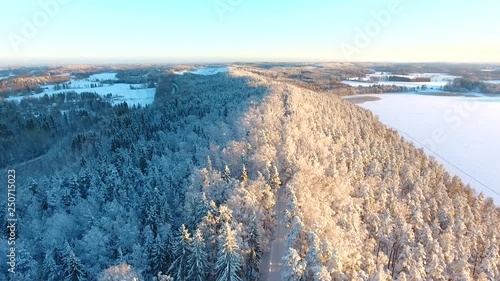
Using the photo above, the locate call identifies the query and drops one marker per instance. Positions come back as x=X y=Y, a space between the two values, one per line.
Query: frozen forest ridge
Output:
x=235 y=176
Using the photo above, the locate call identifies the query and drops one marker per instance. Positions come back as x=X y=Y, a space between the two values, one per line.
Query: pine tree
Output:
x=122 y=272
x=209 y=227
x=382 y=274
x=313 y=257
x=73 y=268
x=227 y=174
x=275 y=179
x=209 y=164
x=417 y=271
x=321 y=273
x=228 y=260
x=182 y=251
x=197 y=261
x=488 y=268
x=402 y=277
x=244 y=174
x=254 y=253
x=435 y=267
x=51 y=270
x=160 y=254
x=293 y=266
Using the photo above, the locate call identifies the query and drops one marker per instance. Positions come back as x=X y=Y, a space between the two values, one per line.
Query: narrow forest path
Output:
x=271 y=263
x=175 y=88
x=25 y=163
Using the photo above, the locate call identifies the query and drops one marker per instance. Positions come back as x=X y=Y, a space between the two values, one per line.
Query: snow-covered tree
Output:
x=122 y=272
x=313 y=257
x=275 y=178
x=161 y=252
x=182 y=251
x=228 y=264
x=73 y=268
x=254 y=253
x=489 y=266
x=197 y=261
x=244 y=174
x=293 y=266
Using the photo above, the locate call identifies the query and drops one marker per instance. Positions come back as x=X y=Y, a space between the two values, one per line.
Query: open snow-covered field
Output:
x=103 y=76
x=462 y=133
x=436 y=84
x=120 y=92
x=206 y=71
x=438 y=80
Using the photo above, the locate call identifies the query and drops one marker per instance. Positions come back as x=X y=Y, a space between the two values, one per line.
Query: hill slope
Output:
x=367 y=205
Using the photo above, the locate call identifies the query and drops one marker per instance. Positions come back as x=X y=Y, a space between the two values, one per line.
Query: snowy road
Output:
x=175 y=88
x=271 y=264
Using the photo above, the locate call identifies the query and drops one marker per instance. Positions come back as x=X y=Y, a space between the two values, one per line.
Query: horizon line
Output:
x=224 y=62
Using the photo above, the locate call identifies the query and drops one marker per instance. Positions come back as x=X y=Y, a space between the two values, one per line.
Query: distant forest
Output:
x=470 y=85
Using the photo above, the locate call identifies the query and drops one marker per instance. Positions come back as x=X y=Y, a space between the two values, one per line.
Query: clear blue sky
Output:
x=248 y=30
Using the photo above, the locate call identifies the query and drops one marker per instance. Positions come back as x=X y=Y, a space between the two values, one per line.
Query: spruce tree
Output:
x=275 y=179
x=228 y=260
x=73 y=268
x=293 y=266
x=182 y=250
x=197 y=260
x=244 y=174
x=254 y=253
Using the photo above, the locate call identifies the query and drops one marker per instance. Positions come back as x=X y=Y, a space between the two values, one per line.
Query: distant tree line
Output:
x=468 y=85
x=408 y=79
x=28 y=85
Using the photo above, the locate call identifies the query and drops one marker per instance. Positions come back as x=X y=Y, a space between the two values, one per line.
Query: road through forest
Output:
x=271 y=264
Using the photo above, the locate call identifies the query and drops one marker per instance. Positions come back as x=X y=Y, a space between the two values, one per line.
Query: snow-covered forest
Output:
x=185 y=189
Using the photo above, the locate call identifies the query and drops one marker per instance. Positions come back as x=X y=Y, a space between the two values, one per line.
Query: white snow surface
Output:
x=462 y=133
x=93 y=79
x=206 y=71
x=103 y=76
x=439 y=84
x=438 y=80
x=120 y=92
x=493 y=81
x=10 y=75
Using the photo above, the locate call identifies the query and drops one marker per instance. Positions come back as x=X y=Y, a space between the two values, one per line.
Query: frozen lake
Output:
x=462 y=133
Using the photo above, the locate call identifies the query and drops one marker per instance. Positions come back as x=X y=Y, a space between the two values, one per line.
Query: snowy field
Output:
x=93 y=79
x=438 y=80
x=103 y=76
x=120 y=92
x=206 y=71
x=462 y=133
x=493 y=81
x=10 y=75
x=438 y=84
